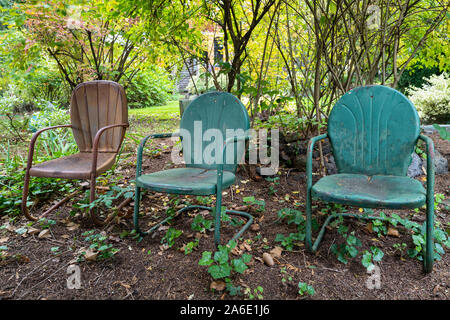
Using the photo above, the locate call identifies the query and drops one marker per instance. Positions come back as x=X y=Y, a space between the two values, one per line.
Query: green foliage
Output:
x=189 y=247
x=348 y=249
x=171 y=235
x=11 y=184
x=105 y=199
x=150 y=87
x=443 y=132
x=293 y=239
x=432 y=100
x=221 y=265
x=257 y=293
x=305 y=288
x=273 y=183
x=45 y=223
x=415 y=76
x=375 y=254
x=259 y=205
x=98 y=243
x=201 y=224
x=419 y=237
x=204 y=201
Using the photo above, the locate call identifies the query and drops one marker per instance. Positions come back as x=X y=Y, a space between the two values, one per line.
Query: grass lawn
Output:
x=169 y=111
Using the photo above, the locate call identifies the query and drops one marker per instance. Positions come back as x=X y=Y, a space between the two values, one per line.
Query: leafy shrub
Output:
x=433 y=99
x=151 y=87
x=48 y=115
x=202 y=86
x=415 y=76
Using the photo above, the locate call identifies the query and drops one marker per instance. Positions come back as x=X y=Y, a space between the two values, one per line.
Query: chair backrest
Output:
x=94 y=105
x=213 y=116
x=373 y=130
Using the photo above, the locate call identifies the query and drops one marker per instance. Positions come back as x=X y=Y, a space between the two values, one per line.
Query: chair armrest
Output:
x=309 y=159
x=96 y=142
x=33 y=142
x=430 y=166
x=142 y=144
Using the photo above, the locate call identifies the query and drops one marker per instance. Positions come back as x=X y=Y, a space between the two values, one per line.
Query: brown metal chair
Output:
x=99 y=118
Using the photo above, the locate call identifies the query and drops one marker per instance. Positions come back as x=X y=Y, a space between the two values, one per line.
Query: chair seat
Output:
x=189 y=181
x=76 y=166
x=379 y=191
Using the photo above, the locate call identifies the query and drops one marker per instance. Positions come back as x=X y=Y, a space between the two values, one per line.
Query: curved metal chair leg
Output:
x=308 y=241
x=217 y=218
x=153 y=228
x=137 y=200
x=428 y=258
x=92 y=211
x=26 y=188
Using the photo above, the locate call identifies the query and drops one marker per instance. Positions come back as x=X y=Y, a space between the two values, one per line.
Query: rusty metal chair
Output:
x=99 y=118
x=373 y=131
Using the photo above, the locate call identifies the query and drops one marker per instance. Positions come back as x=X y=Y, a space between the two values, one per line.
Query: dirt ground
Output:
x=34 y=269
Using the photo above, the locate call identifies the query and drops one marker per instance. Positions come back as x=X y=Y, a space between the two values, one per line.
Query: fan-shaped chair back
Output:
x=373 y=130
x=212 y=116
x=94 y=105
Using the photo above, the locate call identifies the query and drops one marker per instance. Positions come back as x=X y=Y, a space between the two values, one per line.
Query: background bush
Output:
x=432 y=100
x=151 y=87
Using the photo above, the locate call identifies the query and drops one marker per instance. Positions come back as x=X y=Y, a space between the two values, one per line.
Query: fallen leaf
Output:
x=71 y=226
x=90 y=255
x=236 y=251
x=32 y=231
x=291 y=267
x=393 y=232
x=3 y=240
x=242 y=208
x=259 y=259
x=276 y=252
x=44 y=234
x=255 y=227
x=218 y=285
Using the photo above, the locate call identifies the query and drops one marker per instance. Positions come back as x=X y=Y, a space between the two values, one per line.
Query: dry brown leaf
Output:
x=291 y=267
x=218 y=285
x=44 y=234
x=393 y=232
x=32 y=231
x=276 y=252
x=90 y=255
x=236 y=251
x=3 y=240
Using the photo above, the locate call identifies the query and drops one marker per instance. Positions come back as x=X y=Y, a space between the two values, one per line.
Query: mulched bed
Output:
x=33 y=271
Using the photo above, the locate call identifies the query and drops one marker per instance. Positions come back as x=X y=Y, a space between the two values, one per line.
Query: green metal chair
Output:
x=373 y=131
x=206 y=173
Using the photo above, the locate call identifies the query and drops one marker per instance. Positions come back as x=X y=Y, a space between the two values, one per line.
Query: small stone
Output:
x=268 y=260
